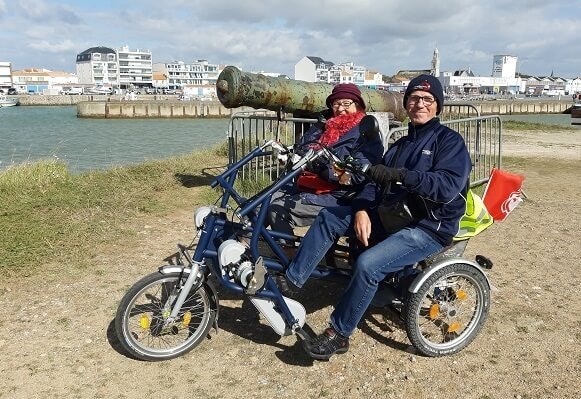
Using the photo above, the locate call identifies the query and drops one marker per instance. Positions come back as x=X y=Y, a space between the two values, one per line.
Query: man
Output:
x=429 y=170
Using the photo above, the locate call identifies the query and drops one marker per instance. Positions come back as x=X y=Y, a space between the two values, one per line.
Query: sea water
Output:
x=29 y=133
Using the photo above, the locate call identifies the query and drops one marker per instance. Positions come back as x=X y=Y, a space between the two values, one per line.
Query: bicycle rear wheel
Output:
x=448 y=311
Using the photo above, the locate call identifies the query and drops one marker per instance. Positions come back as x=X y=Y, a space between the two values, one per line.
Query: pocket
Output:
x=395 y=216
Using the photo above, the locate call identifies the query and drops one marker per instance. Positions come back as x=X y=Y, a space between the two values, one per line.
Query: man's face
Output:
x=421 y=107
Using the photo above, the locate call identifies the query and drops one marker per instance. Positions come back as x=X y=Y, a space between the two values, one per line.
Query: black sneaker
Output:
x=287 y=288
x=329 y=343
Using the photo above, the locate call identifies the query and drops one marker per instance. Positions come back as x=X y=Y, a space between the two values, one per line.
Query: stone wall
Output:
x=154 y=109
x=166 y=106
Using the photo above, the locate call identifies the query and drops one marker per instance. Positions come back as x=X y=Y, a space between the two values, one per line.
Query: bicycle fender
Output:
x=422 y=277
x=167 y=269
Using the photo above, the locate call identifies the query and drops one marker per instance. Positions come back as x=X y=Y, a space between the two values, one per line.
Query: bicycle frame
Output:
x=252 y=215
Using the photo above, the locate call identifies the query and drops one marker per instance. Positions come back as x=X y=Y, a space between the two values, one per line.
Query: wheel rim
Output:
x=450 y=311
x=143 y=322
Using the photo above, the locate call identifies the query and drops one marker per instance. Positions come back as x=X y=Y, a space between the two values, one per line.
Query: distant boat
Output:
x=7 y=102
x=98 y=90
x=576 y=114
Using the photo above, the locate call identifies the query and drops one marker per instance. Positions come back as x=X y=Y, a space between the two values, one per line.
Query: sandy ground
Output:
x=56 y=337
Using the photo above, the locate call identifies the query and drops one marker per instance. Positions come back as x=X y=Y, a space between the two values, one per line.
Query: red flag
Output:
x=503 y=193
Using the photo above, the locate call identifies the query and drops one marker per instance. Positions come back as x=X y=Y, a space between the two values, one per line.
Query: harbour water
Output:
x=32 y=133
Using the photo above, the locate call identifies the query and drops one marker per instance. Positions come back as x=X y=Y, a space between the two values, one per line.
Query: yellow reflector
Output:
x=434 y=311
x=452 y=328
x=144 y=321
x=187 y=318
x=461 y=294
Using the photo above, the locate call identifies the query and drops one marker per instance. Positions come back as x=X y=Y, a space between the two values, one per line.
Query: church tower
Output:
x=435 y=70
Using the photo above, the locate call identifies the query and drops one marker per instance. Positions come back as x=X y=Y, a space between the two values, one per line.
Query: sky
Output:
x=273 y=35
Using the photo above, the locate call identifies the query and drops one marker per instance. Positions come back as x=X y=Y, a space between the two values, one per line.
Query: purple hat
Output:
x=428 y=83
x=345 y=91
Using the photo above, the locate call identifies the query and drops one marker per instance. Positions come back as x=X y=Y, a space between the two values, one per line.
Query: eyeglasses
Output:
x=344 y=103
x=428 y=100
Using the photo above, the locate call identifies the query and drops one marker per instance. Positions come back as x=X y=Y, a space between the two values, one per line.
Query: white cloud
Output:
x=272 y=35
x=44 y=45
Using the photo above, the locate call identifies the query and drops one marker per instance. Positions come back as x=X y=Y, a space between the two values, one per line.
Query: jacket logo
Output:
x=426 y=152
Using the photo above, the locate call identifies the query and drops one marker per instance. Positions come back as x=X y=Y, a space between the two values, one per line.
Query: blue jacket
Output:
x=438 y=166
x=367 y=152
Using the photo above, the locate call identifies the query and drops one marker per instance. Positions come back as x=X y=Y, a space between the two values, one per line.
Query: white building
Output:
x=122 y=68
x=97 y=66
x=43 y=81
x=503 y=79
x=180 y=74
x=504 y=66
x=435 y=70
x=135 y=68
x=312 y=69
x=315 y=69
x=573 y=86
x=5 y=75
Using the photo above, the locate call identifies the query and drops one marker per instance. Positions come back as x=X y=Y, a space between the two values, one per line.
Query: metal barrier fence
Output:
x=250 y=129
x=483 y=138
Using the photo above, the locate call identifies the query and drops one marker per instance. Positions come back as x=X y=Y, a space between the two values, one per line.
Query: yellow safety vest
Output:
x=476 y=218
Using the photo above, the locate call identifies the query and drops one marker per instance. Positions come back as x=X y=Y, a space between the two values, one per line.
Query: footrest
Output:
x=484 y=262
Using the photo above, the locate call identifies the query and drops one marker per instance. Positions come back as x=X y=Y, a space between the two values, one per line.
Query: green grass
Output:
x=50 y=215
x=519 y=125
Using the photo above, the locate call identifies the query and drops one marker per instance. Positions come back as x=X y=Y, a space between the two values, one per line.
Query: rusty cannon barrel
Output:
x=236 y=89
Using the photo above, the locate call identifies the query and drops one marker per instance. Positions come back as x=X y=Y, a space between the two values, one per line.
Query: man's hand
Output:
x=362 y=226
x=382 y=174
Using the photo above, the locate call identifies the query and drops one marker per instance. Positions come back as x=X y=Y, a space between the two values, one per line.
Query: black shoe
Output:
x=287 y=288
x=329 y=343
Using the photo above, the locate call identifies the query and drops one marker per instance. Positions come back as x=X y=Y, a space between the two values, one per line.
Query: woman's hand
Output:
x=362 y=227
x=343 y=176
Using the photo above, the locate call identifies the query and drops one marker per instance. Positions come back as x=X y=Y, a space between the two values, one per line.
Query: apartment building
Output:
x=97 y=66
x=135 y=68
x=122 y=68
x=180 y=74
x=316 y=69
x=5 y=75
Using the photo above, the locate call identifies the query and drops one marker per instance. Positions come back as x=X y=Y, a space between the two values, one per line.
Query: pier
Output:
x=165 y=106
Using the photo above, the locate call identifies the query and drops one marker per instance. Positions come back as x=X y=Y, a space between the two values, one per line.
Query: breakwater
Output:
x=167 y=106
x=153 y=109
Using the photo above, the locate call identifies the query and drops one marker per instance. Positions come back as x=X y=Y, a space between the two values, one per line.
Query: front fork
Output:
x=194 y=277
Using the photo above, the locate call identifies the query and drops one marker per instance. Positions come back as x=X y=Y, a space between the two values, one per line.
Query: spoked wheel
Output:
x=142 y=321
x=448 y=310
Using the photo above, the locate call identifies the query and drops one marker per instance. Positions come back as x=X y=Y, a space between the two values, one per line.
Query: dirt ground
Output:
x=57 y=341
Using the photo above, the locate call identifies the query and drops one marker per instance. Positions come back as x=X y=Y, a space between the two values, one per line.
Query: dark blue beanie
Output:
x=428 y=83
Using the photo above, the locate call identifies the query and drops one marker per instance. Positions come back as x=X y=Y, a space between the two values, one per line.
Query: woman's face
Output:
x=343 y=106
x=421 y=107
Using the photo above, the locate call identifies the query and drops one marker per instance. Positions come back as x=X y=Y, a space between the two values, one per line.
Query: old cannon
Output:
x=236 y=89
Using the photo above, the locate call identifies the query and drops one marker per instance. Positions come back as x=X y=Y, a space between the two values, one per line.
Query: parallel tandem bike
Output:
x=171 y=311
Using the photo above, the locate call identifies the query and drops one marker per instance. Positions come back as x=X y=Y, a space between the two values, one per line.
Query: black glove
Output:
x=382 y=174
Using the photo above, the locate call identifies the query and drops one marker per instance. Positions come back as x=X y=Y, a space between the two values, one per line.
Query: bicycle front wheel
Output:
x=142 y=321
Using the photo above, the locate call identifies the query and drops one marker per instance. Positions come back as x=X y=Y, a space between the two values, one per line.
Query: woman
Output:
x=322 y=185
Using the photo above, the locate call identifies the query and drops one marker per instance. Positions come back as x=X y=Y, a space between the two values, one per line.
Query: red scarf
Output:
x=338 y=125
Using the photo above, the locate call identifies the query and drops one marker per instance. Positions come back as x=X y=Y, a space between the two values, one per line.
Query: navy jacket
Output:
x=367 y=152
x=438 y=170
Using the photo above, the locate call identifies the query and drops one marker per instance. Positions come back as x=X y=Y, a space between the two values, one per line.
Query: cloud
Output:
x=46 y=46
x=273 y=35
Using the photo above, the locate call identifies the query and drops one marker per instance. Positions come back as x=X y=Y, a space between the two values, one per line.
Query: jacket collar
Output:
x=419 y=130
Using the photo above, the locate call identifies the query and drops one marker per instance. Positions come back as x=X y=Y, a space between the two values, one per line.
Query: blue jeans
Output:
x=393 y=253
